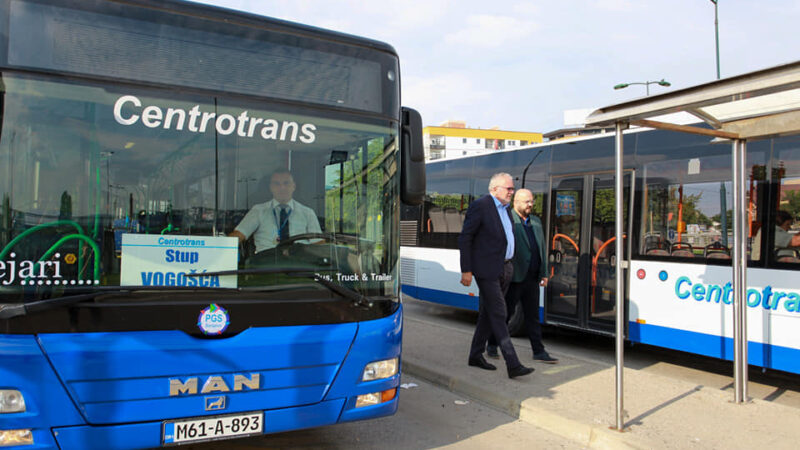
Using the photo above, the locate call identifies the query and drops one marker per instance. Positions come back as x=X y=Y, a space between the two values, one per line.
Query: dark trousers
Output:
x=492 y=317
x=526 y=292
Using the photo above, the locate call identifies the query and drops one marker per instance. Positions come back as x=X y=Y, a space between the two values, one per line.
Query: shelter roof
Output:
x=754 y=105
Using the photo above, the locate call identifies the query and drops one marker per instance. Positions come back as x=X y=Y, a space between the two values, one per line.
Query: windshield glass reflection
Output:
x=130 y=187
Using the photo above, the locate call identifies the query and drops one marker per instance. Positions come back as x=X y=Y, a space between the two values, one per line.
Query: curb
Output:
x=591 y=436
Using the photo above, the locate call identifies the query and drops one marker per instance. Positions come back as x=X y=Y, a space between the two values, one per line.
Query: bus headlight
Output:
x=376 y=398
x=380 y=369
x=11 y=401
x=16 y=437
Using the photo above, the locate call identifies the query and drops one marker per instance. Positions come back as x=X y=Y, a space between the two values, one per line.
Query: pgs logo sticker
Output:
x=213 y=319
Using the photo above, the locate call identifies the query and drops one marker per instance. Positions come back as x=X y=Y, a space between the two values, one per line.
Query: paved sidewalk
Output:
x=576 y=399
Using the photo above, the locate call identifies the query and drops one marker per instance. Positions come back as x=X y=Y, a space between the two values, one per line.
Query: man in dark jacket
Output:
x=530 y=271
x=487 y=247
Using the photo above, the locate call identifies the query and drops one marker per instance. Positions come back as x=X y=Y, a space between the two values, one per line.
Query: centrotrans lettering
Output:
x=197 y=121
x=684 y=288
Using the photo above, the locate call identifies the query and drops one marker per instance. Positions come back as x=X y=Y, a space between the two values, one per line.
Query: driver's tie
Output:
x=283 y=224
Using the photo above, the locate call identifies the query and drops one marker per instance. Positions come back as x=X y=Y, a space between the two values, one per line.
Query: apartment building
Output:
x=453 y=138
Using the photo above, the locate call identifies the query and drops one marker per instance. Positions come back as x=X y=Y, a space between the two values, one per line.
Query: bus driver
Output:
x=279 y=218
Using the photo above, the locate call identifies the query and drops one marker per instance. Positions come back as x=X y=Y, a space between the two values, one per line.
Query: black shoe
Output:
x=491 y=352
x=480 y=362
x=545 y=358
x=519 y=371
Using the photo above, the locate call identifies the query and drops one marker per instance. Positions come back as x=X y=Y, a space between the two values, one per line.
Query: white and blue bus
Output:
x=135 y=136
x=678 y=210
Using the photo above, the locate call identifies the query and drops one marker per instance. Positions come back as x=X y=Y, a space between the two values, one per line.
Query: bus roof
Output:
x=754 y=105
x=258 y=21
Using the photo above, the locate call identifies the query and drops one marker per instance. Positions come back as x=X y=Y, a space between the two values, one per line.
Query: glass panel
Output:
x=603 y=251
x=446 y=203
x=134 y=43
x=785 y=233
x=683 y=202
x=86 y=168
x=567 y=203
x=682 y=208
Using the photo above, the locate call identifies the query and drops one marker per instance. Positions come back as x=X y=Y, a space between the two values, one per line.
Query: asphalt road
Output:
x=428 y=417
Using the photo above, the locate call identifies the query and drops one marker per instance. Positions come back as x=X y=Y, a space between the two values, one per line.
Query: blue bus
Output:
x=147 y=297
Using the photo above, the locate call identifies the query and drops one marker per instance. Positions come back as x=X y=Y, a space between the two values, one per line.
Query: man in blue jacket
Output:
x=487 y=248
x=530 y=271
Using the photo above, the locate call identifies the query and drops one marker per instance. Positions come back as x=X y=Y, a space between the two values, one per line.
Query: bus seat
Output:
x=787 y=255
x=454 y=220
x=438 y=221
x=716 y=250
x=657 y=252
x=682 y=250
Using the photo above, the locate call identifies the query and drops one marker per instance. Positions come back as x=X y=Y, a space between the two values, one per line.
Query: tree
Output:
x=791 y=203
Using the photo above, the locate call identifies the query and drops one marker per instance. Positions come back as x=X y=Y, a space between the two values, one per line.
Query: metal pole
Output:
x=744 y=219
x=739 y=275
x=620 y=294
x=723 y=218
x=716 y=32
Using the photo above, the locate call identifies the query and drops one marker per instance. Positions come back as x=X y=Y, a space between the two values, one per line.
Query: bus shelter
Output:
x=748 y=107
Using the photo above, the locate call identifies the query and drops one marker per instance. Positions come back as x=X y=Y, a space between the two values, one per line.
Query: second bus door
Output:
x=582 y=288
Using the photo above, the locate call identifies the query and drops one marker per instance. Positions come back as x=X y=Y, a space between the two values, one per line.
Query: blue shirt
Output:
x=502 y=211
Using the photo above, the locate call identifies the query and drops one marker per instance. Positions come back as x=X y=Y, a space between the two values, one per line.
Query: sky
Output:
x=518 y=65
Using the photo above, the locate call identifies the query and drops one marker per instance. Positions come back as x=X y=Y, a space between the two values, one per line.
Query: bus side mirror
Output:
x=412 y=158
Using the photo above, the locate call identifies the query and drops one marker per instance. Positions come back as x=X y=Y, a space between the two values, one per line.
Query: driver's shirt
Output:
x=262 y=219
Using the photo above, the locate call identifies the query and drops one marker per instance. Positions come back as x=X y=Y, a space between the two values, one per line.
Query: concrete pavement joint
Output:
x=587 y=435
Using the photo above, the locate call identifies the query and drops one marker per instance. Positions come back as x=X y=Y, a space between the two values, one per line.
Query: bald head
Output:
x=523 y=203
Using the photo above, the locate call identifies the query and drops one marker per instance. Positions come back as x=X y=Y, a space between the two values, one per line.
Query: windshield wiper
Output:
x=354 y=296
x=10 y=310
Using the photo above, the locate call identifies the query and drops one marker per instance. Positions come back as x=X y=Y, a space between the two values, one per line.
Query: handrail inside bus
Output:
x=10 y=245
x=560 y=235
x=594 y=264
x=88 y=240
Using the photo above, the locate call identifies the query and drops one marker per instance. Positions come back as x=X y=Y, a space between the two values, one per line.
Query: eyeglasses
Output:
x=510 y=189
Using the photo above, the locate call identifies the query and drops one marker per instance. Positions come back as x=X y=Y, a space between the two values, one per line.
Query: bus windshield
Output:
x=109 y=185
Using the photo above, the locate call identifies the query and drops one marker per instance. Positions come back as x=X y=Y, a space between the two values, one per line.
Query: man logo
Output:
x=215 y=403
x=214 y=384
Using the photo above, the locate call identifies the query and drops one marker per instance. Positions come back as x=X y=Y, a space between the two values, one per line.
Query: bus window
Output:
x=443 y=212
x=784 y=239
x=684 y=220
x=682 y=216
x=682 y=213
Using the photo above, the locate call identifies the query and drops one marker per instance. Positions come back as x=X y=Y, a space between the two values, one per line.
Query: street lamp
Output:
x=716 y=31
x=647 y=84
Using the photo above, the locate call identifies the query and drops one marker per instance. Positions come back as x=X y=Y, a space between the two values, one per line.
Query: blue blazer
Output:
x=482 y=241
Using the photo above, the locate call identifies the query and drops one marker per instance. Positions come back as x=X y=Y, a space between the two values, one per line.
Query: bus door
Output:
x=582 y=251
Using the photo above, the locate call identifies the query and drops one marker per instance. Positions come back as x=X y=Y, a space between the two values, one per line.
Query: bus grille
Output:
x=408 y=233
x=408 y=271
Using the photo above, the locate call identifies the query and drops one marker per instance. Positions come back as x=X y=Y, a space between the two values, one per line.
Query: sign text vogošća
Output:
x=154 y=260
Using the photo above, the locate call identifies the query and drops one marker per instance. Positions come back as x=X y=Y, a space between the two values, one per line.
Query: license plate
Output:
x=213 y=427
